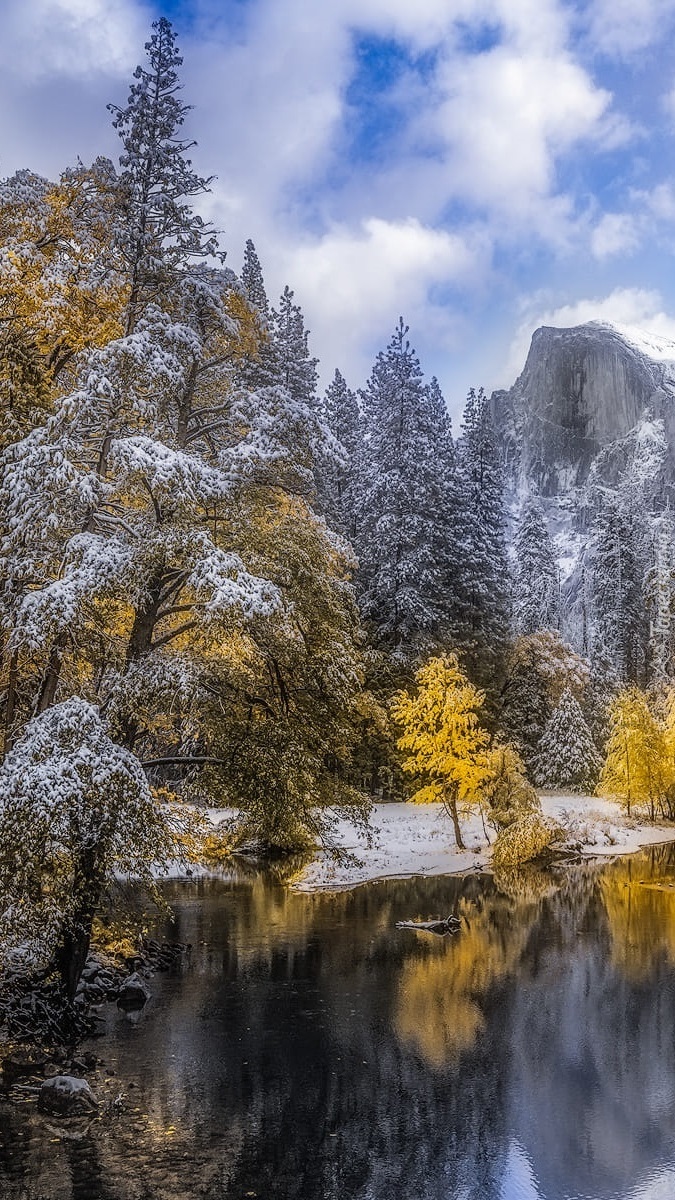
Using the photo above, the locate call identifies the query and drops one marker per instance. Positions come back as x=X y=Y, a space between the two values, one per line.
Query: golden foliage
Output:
x=639 y=898
x=441 y=732
x=506 y=791
x=639 y=769
x=522 y=841
x=438 y=1011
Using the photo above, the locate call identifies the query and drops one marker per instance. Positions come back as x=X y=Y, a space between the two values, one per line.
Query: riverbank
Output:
x=410 y=839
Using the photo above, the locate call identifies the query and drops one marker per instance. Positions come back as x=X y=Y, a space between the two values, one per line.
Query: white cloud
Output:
x=75 y=38
x=615 y=233
x=659 y=201
x=355 y=284
x=505 y=118
x=624 y=27
x=639 y=307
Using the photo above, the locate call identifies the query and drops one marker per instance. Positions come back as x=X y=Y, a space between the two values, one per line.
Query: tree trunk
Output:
x=10 y=707
x=50 y=679
x=71 y=953
x=451 y=805
x=140 y=641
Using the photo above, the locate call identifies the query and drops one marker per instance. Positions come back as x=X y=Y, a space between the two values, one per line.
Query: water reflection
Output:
x=314 y=1051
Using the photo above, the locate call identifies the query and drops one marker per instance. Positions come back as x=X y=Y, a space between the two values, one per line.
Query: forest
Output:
x=221 y=587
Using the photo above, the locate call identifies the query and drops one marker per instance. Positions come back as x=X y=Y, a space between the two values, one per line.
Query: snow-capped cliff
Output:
x=583 y=391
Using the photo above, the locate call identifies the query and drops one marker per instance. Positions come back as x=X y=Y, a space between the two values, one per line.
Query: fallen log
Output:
x=442 y=927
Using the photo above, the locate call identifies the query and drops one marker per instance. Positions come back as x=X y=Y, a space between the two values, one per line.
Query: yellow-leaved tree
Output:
x=637 y=770
x=443 y=737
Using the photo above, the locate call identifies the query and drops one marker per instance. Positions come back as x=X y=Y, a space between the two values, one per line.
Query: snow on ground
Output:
x=411 y=839
x=417 y=839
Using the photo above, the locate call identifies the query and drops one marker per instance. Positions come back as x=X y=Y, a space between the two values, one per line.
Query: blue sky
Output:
x=479 y=166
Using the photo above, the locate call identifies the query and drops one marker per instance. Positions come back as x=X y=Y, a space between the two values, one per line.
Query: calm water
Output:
x=314 y=1051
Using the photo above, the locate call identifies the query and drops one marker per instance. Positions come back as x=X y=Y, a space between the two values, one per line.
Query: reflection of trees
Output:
x=438 y=1011
x=639 y=898
x=315 y=1052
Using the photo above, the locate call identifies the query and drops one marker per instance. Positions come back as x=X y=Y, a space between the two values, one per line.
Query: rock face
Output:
x=583 y=391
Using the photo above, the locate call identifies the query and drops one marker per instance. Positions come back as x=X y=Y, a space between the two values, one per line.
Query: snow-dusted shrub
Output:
x=75 y=809
x=524 y=840
x=507 y=792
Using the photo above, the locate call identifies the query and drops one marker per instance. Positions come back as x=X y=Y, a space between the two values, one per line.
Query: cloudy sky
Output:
x=479 y=166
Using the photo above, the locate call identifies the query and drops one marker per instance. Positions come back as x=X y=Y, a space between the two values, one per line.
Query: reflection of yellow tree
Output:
x=639 y=899
x=439 y=1011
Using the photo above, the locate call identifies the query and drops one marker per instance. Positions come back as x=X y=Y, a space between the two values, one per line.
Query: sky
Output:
x=480 y=167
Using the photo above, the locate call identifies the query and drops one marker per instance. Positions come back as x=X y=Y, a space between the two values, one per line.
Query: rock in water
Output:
x=133 y=992
x=66 y=1095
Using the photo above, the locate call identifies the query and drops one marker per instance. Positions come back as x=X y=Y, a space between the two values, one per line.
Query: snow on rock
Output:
x=66 y=1095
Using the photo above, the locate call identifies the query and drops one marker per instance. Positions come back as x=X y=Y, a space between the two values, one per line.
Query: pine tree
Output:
x=253 y=282
x=567 y=756
x=660 y=597
x=340 y=482
x=539 y=668
x=288 y=357
x=404 y=520
x=481 y=616
x=536 y=600
x=616 y=566
x=161 y=231
x=253 y=369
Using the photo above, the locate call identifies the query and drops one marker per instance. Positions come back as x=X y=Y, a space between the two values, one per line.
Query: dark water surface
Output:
x=312 y=1051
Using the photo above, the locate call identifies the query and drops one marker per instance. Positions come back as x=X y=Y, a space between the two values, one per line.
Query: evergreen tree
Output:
x=617 y=564
x=539 y=668
x=536 y=599
x=287 y=354
x=252 y=367
x=160 y=230
x=404 y=522
x=567 y=756
x=340 y=482
x=660 y=597
x=253 y=282
x=481 y=605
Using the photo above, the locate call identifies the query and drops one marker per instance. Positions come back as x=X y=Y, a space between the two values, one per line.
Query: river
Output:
x=310 y=1050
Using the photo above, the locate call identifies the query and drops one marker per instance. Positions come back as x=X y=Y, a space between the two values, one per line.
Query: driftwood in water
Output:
x=441 y=927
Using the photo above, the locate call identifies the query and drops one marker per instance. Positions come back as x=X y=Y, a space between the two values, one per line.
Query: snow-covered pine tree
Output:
x=253 y=281
x=288 y=357
x=536 y=591
x=253 y=368
x=161 y=230
x=567 y=756
x=617 y=560
x=339 y=482
x=481 y=611
x=405 y=535
x=660 y=597
x=539 y=668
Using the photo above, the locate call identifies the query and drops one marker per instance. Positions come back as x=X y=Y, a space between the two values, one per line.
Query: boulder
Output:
x=133 y=992
x=66 y=1095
